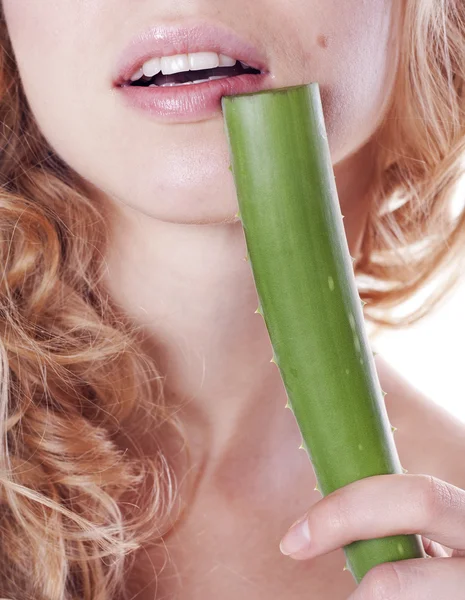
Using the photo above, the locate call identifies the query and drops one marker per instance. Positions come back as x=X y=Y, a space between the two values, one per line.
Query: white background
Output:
x=431 y=354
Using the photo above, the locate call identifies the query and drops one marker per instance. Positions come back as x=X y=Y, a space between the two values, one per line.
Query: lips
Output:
x=168 y=41
x=188 y=103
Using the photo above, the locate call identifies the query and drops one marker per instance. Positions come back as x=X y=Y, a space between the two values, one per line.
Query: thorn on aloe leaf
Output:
x=273 y=359
x=375 y=353
x=230 y=168
x=246 y=258
x=346 y=568
x=393 y=429
x=363 y=302
x=259 y=310
x=238 y=214
x=404 y=470
x=384 y=393
x=317 y=489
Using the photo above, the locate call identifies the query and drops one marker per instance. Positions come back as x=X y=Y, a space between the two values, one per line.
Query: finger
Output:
x=416 y=579
x=380 y=506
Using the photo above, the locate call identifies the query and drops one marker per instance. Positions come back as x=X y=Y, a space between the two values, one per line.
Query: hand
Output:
x=385 y=505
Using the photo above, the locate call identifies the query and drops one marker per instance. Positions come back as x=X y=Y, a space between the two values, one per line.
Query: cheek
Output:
x=173 y=173
x=366 y=65
x=44 y=37
x=350 y=48
x=36 y=31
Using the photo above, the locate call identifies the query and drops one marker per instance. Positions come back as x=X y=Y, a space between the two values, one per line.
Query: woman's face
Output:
x=67 y=52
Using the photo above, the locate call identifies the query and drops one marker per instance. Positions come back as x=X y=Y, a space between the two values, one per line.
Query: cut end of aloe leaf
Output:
x=282 y=90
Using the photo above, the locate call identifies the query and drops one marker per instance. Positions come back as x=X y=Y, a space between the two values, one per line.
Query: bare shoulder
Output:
x=429 y=438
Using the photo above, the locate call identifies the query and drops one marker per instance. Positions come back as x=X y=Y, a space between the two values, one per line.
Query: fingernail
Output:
x=297 y=538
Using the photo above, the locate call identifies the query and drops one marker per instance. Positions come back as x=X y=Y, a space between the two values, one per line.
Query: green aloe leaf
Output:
x=303 y=273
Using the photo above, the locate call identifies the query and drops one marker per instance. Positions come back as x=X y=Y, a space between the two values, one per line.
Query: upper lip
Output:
x=161 y=41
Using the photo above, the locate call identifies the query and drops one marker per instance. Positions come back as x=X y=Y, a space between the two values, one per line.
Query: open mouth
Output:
x=192 y=77
x=212 y=60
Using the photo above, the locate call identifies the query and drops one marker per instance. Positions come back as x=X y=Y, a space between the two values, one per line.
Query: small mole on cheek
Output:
x=323 y=41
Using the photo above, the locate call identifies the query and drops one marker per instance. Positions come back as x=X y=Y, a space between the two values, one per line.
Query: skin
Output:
x=373 y=507
x=175 y=262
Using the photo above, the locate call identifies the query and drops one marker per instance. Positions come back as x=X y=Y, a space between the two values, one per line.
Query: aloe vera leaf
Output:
x=303 y=273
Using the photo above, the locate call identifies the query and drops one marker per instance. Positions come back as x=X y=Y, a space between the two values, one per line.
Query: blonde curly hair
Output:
x=72 y=368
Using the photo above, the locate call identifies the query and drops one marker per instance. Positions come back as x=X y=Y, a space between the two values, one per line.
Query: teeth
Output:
x=183 y=62
x=174 y=64
x=137 y=75
x=203 y=60
x=151 y=67
x=226 y=61
x=172 y=84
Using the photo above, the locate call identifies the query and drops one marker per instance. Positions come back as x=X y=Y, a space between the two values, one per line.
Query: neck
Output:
x=191 y=291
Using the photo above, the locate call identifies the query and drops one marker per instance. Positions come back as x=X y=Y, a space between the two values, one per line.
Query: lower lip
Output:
x=194 y=102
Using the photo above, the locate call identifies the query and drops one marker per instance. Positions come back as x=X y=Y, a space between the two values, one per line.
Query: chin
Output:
x=200 y=205
x=183 y=213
